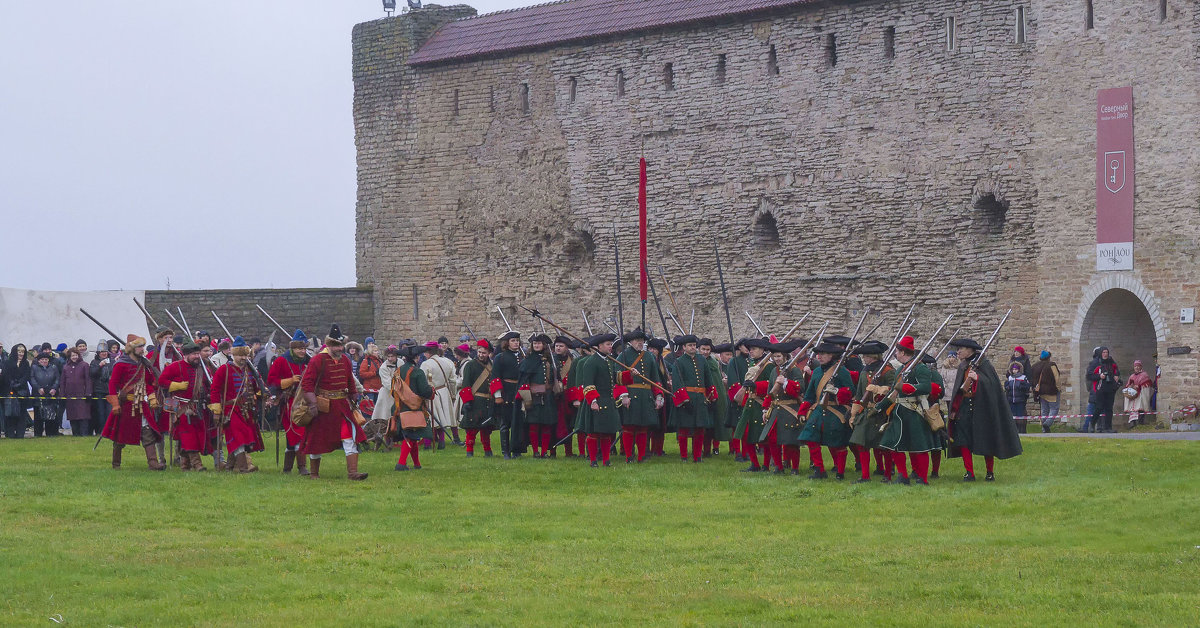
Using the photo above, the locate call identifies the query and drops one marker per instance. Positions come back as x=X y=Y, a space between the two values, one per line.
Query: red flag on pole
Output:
x=642 y=227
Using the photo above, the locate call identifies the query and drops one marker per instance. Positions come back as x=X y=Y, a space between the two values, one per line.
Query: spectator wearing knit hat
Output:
x=1044 y=379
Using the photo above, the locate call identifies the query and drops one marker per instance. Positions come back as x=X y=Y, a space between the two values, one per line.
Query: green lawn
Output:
x=1073 y=533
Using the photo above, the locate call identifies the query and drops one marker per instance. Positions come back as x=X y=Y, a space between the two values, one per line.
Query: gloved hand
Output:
x=177 y=386
x=215 y=408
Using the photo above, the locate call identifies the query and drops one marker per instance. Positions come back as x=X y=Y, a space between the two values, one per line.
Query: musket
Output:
x=676 y=321
x=761 y=333
x=795 y=327
x=262 y=386
x=973 y=360
x=507 y=326
x=670 y=296
x=916 y=359
x=617 y=263
x=568 y=334
x=775 y=387
x=587 y=323
x=178 y=324
x=148 y=317
x=692 y=321
x=272 y=318
x=887 y=356
x=763 y=364
x=724 y=295
x=470 y=331
x=140 y=358
x=184 y=319
x=657 y=306
x=849 y=345
x=550 y=349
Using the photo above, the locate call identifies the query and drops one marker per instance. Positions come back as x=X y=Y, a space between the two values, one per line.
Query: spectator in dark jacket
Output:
x=16 y=374
x=1020 y=356
x=44 y=380
x=1105 y=380
x=1044 y=378
x=1016 y=390
x=76 y=388
x=100 y=371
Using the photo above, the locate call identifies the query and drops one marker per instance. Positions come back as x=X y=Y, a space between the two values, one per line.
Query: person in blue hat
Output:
x=233 y=401
x=284 y=380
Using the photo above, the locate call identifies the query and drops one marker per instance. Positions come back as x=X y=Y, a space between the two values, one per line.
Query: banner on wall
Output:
x=1114 y=179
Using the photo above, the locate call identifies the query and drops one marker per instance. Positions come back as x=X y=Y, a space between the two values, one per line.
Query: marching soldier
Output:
x=233 y=402
x=735 y=373
x=907 y=431
x=411 y=393
x=826 y=404
x=132 y=395
x=783 y=409
x=694 y=392
x=755 y=385
x=644 y=401
x=598 y=416
x=566 y=400
x=284 y=379
x=723 y=356
x=506 y=372
x=937 y=392
x=866 y=422
x=187 y=384
x=720 y=409
x=539 y=374
x=982 y=420
x=477 y=417
x=330 y=391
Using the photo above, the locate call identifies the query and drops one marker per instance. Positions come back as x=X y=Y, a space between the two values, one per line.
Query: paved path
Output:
x=1124 y=435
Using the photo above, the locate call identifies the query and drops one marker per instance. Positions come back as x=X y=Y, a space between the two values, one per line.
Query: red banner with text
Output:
x=1114 y=179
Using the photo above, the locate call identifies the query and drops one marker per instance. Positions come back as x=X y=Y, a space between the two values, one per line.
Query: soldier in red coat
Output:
x=186 y=384
x=131 y=393
x=329 y=388
x=284 y=380
x=234 y=398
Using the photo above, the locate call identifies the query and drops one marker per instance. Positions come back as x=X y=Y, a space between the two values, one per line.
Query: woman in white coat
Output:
x=384 y=404
x=439 y=371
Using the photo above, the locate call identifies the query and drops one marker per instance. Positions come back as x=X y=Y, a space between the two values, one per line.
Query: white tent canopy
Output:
x=29 y=316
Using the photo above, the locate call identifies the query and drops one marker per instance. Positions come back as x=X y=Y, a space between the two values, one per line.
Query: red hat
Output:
x=483 y=344
x=1020 y=350
x=432 y=344
x=906 y=343
x=464 y=347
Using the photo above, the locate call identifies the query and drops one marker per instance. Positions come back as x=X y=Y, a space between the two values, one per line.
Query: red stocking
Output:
x=936 y=455
x=546 y=440
x=968 y=463
x=404 y=447
x=534 y=437
x=471 y=441
x=920 y=464
x=627 y=441
x=901 y=463
x=681 y=437
x=990 y=461
x=753 y=457
x=864 y=460
x=641 y=439
x=606 y=442
x=582 y=439
x=814 y=456
x=416 y=454
x=697 y=443
x=657 y=440
x=839 y=459
x=591 y=447
x=792 y=456
x=880 y=465
x=486 y=437
x=735 y=446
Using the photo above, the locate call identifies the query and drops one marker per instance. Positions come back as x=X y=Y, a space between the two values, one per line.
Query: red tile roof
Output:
x=570 y=20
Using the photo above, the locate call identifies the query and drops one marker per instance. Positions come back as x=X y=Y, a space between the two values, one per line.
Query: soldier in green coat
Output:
x=539 y=373
x=866 y=422
x=735 y=372
x=907 y=431
x=659 y=431
x=720 y=408
x=783 y=413
x=693 y=394
x=408 y=372
x=644 y=400
x=598 y=416
x=755 y=385
x=940 y=440
x=827 y=406
x=477 y=404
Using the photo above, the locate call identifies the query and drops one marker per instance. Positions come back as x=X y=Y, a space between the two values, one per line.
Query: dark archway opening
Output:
x=1118 y=320
x=990 y=214
x=765 y=231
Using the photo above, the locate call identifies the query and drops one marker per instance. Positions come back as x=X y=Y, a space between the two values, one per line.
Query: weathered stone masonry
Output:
x=843 y=155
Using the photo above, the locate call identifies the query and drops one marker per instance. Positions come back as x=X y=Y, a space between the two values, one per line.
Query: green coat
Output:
x=869 y=423
x=749 y=427
x=641 y=411
x=823 y=426
x=420 y=385
x=783 y=410
x=597 y=378
x=735 y=372
x=720 y=408
x=481 y=408
x=538 y=371
x=907 y=430
x=691 y=372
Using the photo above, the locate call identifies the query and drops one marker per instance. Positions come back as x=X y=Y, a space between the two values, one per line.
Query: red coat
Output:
x=190 y=428
x=327 y=430
x=124 y=424
x=240 y=429
x=283 y=368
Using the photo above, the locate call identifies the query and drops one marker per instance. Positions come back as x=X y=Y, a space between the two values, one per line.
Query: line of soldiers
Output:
x=176 y=392
x=758 y=394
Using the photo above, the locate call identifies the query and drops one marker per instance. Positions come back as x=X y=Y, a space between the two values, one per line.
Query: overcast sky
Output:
x=214 y=130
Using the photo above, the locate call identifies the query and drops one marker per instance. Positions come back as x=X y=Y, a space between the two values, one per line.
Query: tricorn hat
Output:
x=564 y=340
x=509 y=335
x=658 y=343
x=870 y=347
x=761 y=343
x=686 y=339
x=966 y=343
x=928 y=359
x=636 y=334
x=829 y=347
x=705 y=342
x=598 y=339
x=542 y=338
x=726 y=347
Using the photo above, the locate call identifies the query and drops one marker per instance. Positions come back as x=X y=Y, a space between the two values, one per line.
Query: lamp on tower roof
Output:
x=389 y=7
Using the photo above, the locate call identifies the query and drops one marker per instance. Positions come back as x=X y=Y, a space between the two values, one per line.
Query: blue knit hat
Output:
x=62 y=346
x=1045 y=355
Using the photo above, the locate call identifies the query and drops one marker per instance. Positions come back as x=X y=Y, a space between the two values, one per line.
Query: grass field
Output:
x=1073 y=533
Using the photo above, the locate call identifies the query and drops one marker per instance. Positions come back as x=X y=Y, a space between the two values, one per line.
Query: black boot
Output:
x=504 y=444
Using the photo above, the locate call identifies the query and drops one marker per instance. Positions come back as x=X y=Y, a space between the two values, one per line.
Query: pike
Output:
x=654 y=293
x=692 y=321
x=587 y=323
x=761 y=333
x=184 y=319
x=470 y=331
x=671 y=297
x=178 y=324
x=148 y=317
x=509 y=327
x=142 y=359
x=775 y=388
x=539 y=315
x=724 y=295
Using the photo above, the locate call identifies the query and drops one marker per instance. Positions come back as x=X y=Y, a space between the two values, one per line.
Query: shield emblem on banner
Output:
x=1114 y=171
